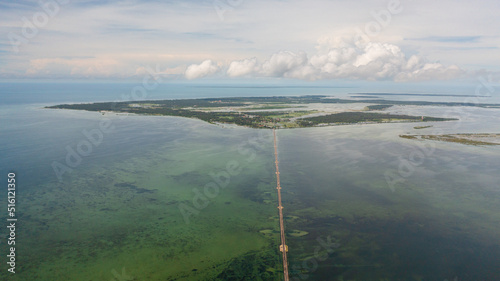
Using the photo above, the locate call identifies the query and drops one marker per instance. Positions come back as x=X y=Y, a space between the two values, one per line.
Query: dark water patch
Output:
x=307 y=190
x=398 y=249
x=364 y=194
x=134 y=187
x=249 y=189
x=252 y=266
x=190 y=178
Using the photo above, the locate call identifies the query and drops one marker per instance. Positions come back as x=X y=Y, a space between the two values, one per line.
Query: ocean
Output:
x=126 y=197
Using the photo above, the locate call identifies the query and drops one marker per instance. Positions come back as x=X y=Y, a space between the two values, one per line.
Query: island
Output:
x=272 y=112
x=468 y=139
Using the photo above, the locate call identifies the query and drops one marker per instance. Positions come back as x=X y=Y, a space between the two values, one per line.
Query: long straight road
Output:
x=283 y=246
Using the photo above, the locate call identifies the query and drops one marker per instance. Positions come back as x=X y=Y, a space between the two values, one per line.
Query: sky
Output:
x=316 y=40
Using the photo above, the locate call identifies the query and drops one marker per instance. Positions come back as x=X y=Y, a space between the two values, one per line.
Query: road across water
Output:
x=283 y=246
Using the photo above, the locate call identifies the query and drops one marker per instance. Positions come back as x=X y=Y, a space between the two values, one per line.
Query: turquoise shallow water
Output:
x=117 y=213
x=121 y=206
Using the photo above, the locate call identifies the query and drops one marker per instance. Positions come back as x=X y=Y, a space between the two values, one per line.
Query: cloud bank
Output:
x=337 y=59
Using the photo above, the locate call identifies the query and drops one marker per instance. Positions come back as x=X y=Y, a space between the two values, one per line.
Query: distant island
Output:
x=271 y=112
x=423 y=95
x=469 y=139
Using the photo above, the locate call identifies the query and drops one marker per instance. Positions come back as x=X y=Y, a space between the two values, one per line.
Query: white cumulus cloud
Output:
x=284 y=62
x=348 y=59
x=242 y=67
x=208 y=67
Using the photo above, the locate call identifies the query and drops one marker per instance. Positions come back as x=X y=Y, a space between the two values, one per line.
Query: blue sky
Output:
x=369 y=40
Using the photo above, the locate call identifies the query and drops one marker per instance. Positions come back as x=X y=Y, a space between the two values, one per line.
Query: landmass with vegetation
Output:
x=378 y=107
x=267 y=112
x=421 y=127
x=468 y=139
x=364 y=117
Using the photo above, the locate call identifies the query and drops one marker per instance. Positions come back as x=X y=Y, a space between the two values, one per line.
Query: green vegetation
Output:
x=378 y=106
x=362 y=117
x=410 y=137
x=245 y=101
x=268 y=107
x=365 y=97
x=228 y=110
x=421 y=127
x=468 y=139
